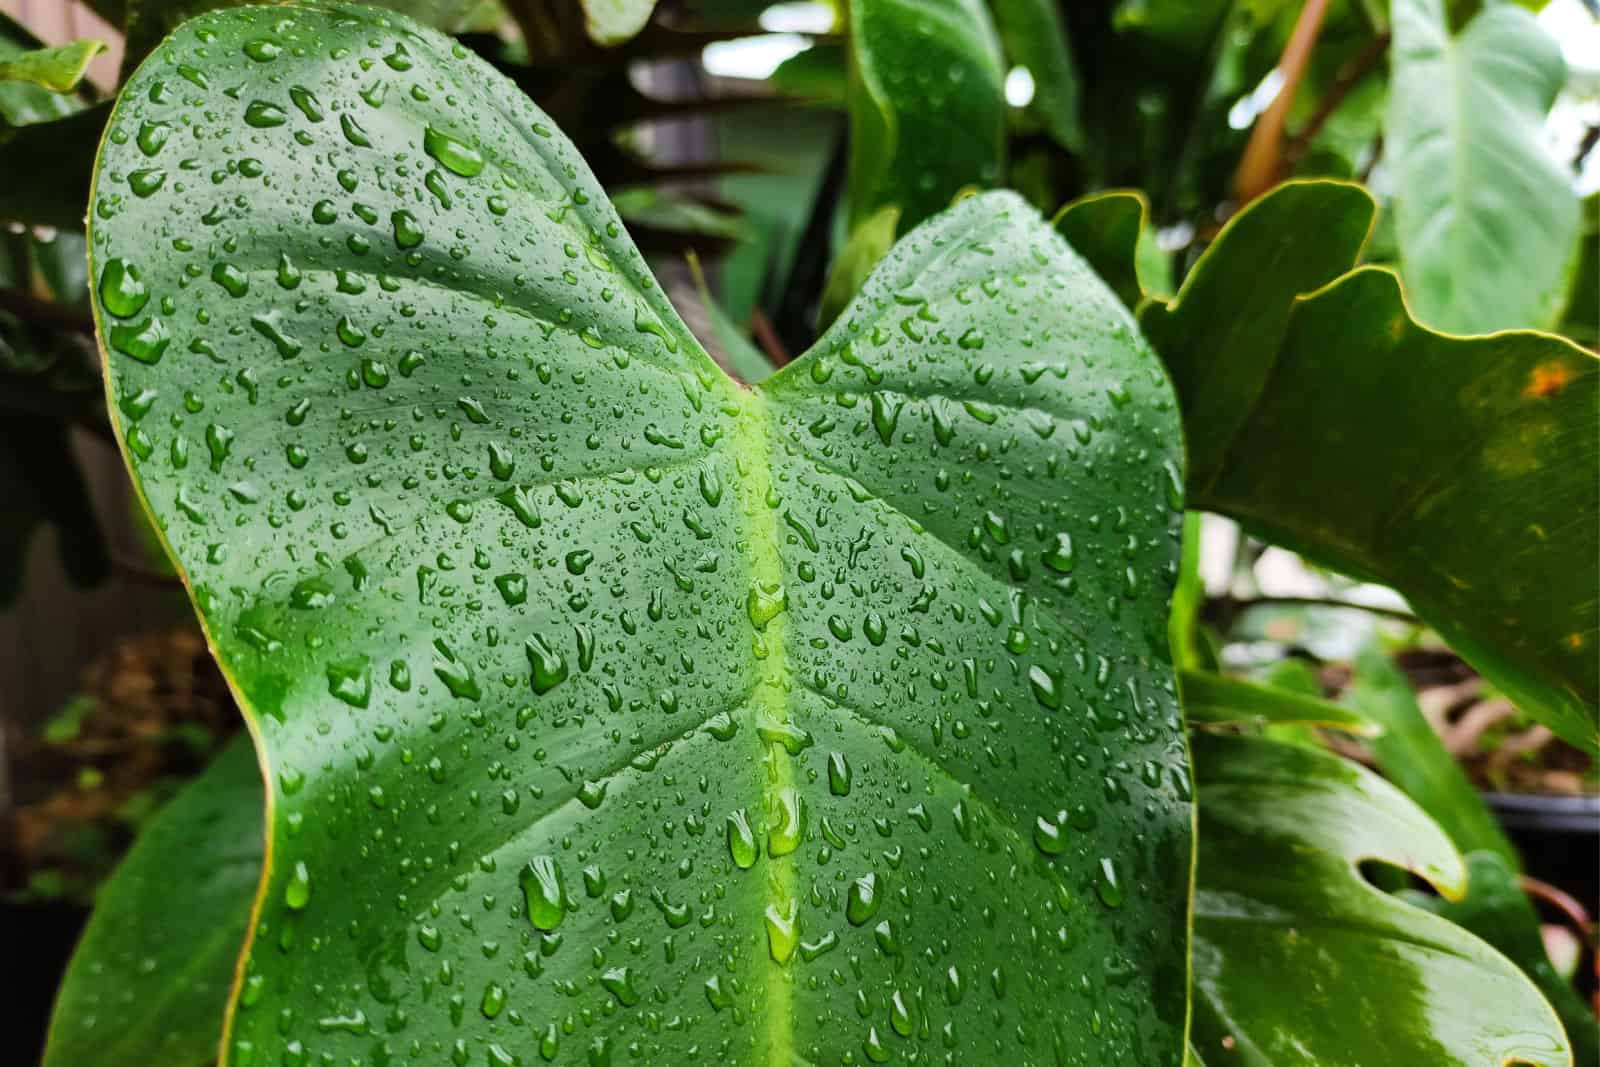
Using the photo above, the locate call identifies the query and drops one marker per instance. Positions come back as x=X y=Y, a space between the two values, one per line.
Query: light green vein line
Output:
x=755 y=435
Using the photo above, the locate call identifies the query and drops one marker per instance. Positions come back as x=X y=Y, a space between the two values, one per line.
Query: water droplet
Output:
x=862 y=899
x=742 y=840
x=765 y=602
x=543 y=892
x=1046 y=687
x=122 y=290
x=549 y=666
x=456 y=156
x=297 y=893
x=262 y=115
x=1108 y=884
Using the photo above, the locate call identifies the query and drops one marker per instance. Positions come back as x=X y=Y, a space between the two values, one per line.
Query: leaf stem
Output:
x=1350 y=75
x=1263 y=161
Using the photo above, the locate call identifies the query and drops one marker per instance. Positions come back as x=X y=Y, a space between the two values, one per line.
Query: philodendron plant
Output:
x=611 y=710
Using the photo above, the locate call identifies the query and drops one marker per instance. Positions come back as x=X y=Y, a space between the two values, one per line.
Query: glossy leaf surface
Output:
x=612 y=709
x=927 y=105
x=1496 y=909
x=149 y=980
x=1461 y=471
x=1486 y=219
x=1298 y=960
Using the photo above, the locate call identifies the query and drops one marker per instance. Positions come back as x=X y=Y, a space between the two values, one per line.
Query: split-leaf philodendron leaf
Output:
x=1300 y=962
x=150 y=977
x=611 y=709
x=1462 y=471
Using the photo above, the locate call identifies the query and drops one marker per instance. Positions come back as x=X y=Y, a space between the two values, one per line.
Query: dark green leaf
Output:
x=1322 y=416
x=609 y=708
x=1487 y=221
x=1298 y=960
x=1411 y=755
x=1104 y=228
x=150 y=978
x=1496 y=910
x=1034 y=36
x=927 y=105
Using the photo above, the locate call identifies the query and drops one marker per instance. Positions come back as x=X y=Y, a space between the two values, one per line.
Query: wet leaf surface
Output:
x=612 y=711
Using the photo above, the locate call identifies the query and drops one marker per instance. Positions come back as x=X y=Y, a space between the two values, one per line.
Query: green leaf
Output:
x=1104 y=228
x=150 y=978
x=1112 y=230
x=927 y=105
x=57 y=69
x=1410 y=755
x=869 y=242
x=1487 y=221
x=23 y=101
x=1496 y=909
x=1298 y=960
x=610 y=708
x=1319 y=414
x=1034 y=35
x=1209 y=697
x=613 y=22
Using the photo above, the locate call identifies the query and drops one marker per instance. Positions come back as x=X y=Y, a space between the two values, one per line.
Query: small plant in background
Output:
x=865 y=674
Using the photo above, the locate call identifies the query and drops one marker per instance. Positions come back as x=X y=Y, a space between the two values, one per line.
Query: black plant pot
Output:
x=1559 y=839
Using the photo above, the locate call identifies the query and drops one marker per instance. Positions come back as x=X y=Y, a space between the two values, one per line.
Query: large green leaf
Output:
x=1298 y=960
x=927 y=105
x=149 y=980
x=611 y=709
x=1487 y=221
x=1464 y=472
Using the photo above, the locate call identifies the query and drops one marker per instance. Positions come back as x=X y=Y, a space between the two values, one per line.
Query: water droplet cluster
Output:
x=615 y=713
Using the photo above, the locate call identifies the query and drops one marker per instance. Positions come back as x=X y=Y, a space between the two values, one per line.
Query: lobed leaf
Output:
x=1462 y=471
x=608 y=708
x=1298 y=960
